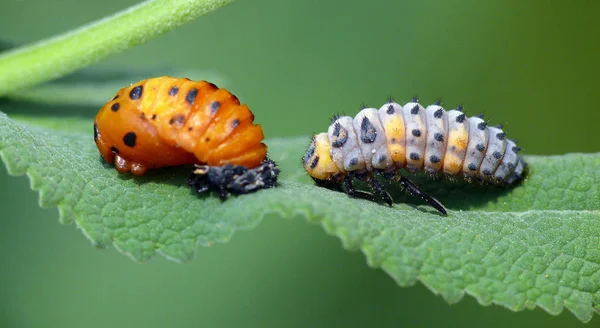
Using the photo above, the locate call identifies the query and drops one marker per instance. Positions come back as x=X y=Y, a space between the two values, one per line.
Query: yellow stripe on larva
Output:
x=396 y=140
x=456 y=149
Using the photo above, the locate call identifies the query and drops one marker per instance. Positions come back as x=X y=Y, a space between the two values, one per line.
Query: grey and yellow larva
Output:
x=383 y=141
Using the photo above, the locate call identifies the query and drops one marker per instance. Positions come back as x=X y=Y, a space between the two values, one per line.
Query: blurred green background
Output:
x=531 y=65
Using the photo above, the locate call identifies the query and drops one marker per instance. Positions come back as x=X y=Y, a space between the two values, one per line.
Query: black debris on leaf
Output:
x=233 y=179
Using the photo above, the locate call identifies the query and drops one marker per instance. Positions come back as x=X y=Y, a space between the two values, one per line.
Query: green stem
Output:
x=26 y=66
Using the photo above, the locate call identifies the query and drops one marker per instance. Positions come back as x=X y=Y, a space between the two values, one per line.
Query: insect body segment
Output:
x=433 y=140
x=168 y=121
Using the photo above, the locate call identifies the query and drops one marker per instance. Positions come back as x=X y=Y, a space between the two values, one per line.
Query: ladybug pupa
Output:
x=432 y=140
x=166 y=121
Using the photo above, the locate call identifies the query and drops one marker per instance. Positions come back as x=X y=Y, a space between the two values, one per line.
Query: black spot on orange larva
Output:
x=115 y=97
x=497 y=155
x=153 y=116
x=394 y=141
x=214 y=106
x=114 y=150
x=96 y=133
x=115 y=107
x=314 y=163
x=390 y=110
x=190 y=128
x=414 y=156
x=190 y=97
x=177 y=120
x=129 y=139
x=438 y=113
x=368 y=132
x=438 y=137
x=206 y=139
x=472 y=167
x=235 y=123
x=136 y=93
x=434 y=159
x=460 y=118
x=480 y=147
x=416 y=132
x=415 y=110
x=173 y=91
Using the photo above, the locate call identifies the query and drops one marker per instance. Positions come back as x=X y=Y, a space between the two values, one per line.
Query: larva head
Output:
x=318 y=162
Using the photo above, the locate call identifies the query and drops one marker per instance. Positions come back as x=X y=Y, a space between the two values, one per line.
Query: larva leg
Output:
x=415 y=191
x=349 y=187
x=378 y=188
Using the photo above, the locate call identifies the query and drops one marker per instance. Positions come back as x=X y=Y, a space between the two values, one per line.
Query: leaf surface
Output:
x=534 y=245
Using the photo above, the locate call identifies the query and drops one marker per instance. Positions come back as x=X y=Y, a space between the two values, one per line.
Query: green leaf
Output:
x=27 y=66
x=535 y=245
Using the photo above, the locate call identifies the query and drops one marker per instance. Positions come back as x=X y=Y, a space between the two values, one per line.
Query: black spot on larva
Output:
x=414 y=156
x=173 y=91
x=214 y=106
x=460 y=108
x=434 y=159
x=501 y=135
x=438 y=137
x=480 y=147
x=314 y=162
x=340 y=135
x=143 y=116
x=96 y=133
x=497 y=155
x=390 y=110
x=414 y=99
x=511 y=166
x=368 y=132
x=438 y=113
x=115 y=97
x=206 y=139
x=438 y=102
x=235 y=123
x=394 y=141
x=154 y=116
x=481 y=126
x=479 y=115
x=114 y=150
x=460 y=118
x=472 y=167
x=487 y=172
x=115 y=107
x=515 y=149
x=129 y=139
x=309 y=153
x=136 y=93
x=177 y=120
x=190 y=128
x=353 y=162
x=416 y=132
x=415 y=110
x=191 y=96
x=382 y=158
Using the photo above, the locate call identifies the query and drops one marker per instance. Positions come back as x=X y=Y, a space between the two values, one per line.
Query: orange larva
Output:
x=166 y=121
x=410 y=137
